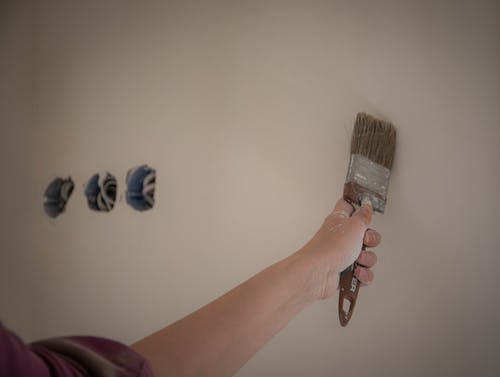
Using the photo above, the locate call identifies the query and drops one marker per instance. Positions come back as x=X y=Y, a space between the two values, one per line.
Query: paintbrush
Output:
x=372 y=153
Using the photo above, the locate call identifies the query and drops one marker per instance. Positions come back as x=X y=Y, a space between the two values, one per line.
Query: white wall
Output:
x=18 y=279
x=245 y=109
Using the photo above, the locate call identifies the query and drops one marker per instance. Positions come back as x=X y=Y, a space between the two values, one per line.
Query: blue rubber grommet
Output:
x=101 y=192
x=141 y=183
x=57 y=195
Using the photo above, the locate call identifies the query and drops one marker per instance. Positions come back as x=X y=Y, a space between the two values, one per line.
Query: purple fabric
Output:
x=75 y=356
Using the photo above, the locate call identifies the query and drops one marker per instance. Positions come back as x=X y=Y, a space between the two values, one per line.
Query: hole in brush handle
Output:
x=349 y=288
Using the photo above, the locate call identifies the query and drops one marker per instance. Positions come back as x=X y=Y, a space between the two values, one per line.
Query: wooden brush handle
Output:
x=349 y=288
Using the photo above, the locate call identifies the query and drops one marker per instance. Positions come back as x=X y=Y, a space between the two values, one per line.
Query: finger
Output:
x=372 y=238
x=364 y=275
x=364 y=213
x=342 y=209
x=367 y=259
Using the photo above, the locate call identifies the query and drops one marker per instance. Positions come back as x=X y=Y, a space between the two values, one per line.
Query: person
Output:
x=217 y=339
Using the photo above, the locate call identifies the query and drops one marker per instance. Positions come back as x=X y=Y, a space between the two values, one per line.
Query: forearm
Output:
x=219 y=338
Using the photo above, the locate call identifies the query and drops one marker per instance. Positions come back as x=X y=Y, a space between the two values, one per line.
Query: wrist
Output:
x=313 y=274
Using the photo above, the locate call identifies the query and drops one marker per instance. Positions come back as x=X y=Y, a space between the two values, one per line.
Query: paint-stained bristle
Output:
x=374 y=139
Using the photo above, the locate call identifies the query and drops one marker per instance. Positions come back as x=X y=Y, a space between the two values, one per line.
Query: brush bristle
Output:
x=375 y=139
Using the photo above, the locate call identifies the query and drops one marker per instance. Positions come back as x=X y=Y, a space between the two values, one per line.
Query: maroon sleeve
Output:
x=76 y=356
x=18 y=360
x=99 y=357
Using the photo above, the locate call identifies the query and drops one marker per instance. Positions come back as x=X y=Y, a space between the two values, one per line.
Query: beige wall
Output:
x=245 y=109
x=18 y=270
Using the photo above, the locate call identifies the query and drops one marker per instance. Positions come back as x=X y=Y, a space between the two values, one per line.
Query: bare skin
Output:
x=219 y=338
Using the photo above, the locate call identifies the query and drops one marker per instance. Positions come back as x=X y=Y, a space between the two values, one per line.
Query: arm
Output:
x=219 y=338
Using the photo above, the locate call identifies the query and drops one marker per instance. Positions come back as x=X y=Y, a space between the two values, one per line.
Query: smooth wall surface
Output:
x=18 y=270
x=245 y=110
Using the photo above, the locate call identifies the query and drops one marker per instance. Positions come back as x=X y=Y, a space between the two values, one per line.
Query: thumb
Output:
x=364 y=213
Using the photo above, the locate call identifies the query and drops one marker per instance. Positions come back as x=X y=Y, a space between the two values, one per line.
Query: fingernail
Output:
x=372 y=237
x=363 y=276
x=360 y=273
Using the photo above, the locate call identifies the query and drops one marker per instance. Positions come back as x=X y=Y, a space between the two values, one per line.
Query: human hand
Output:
x=338 y=244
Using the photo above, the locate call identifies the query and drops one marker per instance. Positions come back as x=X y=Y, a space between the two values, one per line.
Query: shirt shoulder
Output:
x=18 y=360
x=74 y=356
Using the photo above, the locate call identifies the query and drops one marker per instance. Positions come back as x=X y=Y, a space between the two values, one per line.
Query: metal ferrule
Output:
x=372 y=178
